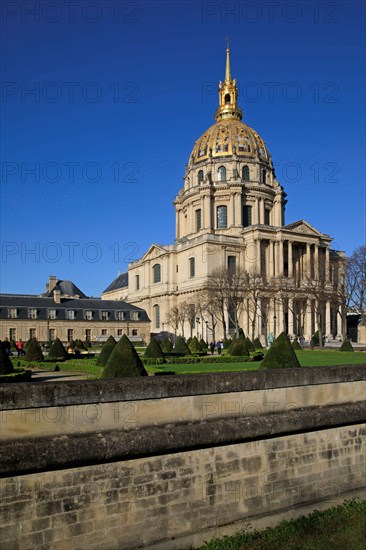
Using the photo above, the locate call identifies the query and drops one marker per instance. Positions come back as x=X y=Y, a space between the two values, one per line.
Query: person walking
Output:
x=212 y=347
x=20 y=347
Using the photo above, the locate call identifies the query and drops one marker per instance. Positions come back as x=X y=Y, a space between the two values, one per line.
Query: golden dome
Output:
x=227 y=138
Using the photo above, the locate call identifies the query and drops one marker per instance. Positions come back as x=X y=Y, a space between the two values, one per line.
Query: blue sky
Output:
x=102 y=102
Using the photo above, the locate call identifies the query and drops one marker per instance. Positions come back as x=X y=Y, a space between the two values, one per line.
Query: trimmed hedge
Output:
x=166 y=345
x=257 y=343
x=57 y=351
x=124 y=361
x=34 y=351
x=249 y=344
x=181 y=346
x=346 y=345
x=239 y=347
x=296 y=344
x=153 y=350
x=106 y=351
x=194 y=345
x=153 y=361
x=281 y=355
x=6 y=366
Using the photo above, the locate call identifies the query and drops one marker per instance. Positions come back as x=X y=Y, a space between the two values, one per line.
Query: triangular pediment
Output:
x=154 y=251
x=303 y=226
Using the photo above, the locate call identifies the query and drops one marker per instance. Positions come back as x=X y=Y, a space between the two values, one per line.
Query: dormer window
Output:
x=120 y=315
x=70 y=314
x=32 y=313
x=12 y=312
x=88 y=315
x=51 y=314
x=104 y=315
x=134 y=315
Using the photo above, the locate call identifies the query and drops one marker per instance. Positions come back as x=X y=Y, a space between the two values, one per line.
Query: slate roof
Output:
x=120 y=282
x=22 y=302
x=66 y=287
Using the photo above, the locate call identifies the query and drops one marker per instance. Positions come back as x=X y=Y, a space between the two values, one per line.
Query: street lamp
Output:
x=163 y=324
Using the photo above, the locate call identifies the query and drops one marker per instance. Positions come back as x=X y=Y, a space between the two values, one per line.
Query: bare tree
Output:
x=253 y=294
x=207 y=310
x=355 y=282
x=173 y=319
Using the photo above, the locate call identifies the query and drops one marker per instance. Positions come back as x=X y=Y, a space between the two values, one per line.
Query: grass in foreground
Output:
x=337 y=528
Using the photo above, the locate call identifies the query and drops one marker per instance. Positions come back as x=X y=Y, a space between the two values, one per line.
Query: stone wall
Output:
x=165 y=485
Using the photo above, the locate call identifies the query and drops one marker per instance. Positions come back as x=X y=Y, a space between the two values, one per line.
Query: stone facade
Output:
x=231 y=213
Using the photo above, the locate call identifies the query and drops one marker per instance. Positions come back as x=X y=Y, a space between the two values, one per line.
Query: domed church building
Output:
x=231 y=213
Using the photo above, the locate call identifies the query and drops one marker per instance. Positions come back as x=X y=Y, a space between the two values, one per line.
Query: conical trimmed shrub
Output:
x=280 y=355
x=57 y=351
x=181 y=346
x=34 y=352
x=203 y=345
x=153 y=350
x=346 y=345
x=241 y=333
x=80 y=344
x=296 y=344
x=166 y=345
x=249 y=344
x=239 y=348
x=227 y=343
x=194 y=345
x=257 y=344
x=6 y=366
x=72 y=344
x=105 y=352
x=123 y=361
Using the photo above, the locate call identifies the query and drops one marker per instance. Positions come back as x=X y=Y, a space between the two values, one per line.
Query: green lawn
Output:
x=307 y=358
x=338 y=528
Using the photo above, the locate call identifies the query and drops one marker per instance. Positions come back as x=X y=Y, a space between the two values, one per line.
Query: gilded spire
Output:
x=227 y=70
x=228 y=94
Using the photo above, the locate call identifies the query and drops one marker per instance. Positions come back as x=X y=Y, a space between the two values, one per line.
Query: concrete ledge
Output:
x=33 y=395
x=67 y=451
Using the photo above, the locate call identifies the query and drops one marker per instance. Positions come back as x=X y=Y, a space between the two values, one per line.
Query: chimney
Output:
x=57 y=296
x=51 y=282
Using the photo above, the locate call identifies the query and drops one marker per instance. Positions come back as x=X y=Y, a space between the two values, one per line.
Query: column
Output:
x=308 y=261
x=231 y=213
x=316 y=262
x=271 y=262
x=238 y=209
x=207 y=215
x=261 y=212
x=280 y=323
x=308 y=327
x=327 y=265
x=290 y=317
x=203 y=213
x=280 y=259
x=327 y=331
x=289 y=261
x=258 y=256
x=177 y=223
x=340 y=335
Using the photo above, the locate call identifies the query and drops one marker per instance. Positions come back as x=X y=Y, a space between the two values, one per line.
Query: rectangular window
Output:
x=198 y=219
x=266 y=217
x=119 y=332
x=12 y=333
x=70 y=334
x=104 y=315
x=88 y=315
x=247 y=215
x=70 y=314
x=231 y=264
x=137 y=282
x=134 y=315
x=52 y=334
x=120 y=315
x=52 y=314
x=88 y=334
x=32 y=313
x=192 y=267
x=221 y=217
x=32 y=333
x=104 y=332
x=134 y=332
x=12 y=313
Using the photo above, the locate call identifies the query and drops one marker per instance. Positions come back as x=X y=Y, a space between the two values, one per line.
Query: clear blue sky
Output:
x=121 y=91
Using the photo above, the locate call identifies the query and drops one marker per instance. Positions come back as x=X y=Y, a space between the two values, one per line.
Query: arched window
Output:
x=247 y=215
x=264 y=176
x=157 y=273
x=156 y=317
x=266 y=217
x=227 y=99
x=198 y=219
x=221 y=217
x=221 y=173
x=200 y=177
x=245 y=173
